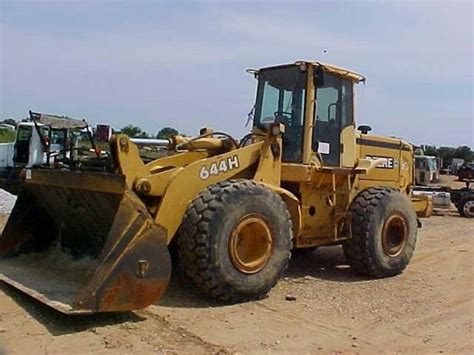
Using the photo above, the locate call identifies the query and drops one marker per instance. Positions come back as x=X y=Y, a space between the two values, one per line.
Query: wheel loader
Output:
x=86 y=241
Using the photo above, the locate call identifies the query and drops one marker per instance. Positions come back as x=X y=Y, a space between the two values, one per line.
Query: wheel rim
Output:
x=394 y=235
x=468 y=208
x=251 y=244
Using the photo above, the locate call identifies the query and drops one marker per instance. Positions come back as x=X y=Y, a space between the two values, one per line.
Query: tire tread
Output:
x=194 y=244
x=357 y=250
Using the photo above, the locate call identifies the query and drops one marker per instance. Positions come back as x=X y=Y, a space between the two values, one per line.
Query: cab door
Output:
x=333 y=119
x=22 y=144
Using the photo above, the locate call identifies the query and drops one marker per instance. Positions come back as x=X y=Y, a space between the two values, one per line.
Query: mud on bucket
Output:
x=83 y=243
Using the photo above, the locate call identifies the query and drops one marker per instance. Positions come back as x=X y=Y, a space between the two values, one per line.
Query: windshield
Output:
x=24 y=133
x=280 y=98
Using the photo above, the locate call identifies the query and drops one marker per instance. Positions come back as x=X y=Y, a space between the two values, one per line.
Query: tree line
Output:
x=449 y=153
x=130 y=130
x=136 y=132
x=446 y=153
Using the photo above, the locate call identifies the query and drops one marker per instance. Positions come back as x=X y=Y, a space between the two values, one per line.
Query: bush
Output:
x=7 y=136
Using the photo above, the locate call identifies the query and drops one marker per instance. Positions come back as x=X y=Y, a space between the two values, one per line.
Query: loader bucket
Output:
x=82 y=242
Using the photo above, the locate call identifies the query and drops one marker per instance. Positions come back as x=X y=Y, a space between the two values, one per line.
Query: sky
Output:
x=182 y=63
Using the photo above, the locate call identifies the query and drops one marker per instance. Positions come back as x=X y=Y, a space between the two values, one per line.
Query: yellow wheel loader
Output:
x=86 y=240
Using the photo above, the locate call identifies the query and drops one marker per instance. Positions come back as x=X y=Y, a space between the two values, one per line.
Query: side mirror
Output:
x=364 y=129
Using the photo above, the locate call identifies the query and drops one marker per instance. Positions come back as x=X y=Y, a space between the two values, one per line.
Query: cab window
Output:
x=280 y=99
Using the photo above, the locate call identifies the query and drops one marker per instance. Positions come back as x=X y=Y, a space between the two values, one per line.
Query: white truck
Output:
x=27 y=150
x=6 y=155
x=42 y=141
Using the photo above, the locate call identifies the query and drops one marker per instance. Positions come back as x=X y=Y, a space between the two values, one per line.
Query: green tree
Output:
x=464 y=152
x=166 y=133
x=447 y=154
x=430 y=150
x=132 y=131
x=10 y=121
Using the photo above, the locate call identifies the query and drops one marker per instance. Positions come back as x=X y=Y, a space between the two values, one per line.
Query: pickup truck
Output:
x=443 y=196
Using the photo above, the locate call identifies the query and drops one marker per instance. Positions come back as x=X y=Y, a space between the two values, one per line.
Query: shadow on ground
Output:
x=326 y=263
x=60 y=324
x=183 y=294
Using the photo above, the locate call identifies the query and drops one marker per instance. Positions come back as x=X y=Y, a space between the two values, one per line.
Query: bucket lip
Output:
x=45 y=172
x=61 y=307
x=83 y=180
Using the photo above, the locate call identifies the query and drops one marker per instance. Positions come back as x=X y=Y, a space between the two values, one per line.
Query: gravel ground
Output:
x=7 y=200
x=428 y=309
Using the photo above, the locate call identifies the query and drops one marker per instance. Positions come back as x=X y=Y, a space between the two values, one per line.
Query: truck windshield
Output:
x=24 y=133
x=280 y=98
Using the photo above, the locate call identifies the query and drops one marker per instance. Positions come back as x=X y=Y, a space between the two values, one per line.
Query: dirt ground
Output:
x=428 y=309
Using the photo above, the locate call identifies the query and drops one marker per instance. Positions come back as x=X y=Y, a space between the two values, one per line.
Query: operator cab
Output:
x=312 y=95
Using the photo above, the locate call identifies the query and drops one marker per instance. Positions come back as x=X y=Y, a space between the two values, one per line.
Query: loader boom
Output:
x=260 y=161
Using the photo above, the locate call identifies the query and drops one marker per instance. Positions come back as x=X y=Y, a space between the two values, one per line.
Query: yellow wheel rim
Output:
x=394 y=235
x=250 y=244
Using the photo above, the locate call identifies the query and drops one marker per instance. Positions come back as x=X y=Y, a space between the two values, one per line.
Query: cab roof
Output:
x=330 y=68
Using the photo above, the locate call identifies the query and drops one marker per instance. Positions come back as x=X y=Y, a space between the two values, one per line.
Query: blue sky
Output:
x=181 y=63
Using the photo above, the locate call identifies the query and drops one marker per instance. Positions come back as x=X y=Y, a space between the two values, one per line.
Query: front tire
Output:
x=384 y=231
x=235 y=240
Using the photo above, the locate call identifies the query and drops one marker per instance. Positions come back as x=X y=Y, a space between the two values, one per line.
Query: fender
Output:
x=293 y=205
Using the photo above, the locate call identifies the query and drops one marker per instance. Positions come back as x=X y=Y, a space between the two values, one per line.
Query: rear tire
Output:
x=384 y=231
x=235 y=239
x=466 y=207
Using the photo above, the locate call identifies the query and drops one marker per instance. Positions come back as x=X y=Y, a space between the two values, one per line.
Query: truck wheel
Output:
x=466 y=207
x=235 y=239
x=384 y=232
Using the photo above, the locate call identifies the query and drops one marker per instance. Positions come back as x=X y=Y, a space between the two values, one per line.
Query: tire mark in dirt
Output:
x=283 y=316
x=192 y=338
